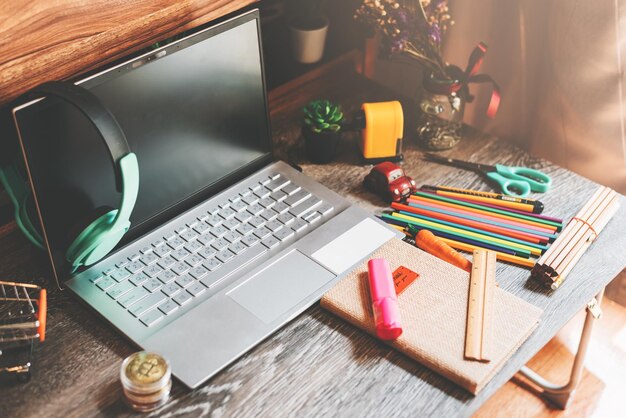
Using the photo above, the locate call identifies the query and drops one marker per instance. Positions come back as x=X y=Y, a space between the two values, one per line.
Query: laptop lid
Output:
x=194 y=112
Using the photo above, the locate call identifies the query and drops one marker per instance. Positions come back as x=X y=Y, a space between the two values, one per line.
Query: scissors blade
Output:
x=483 y=168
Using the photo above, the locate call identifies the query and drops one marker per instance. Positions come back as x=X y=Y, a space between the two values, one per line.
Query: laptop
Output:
x=226 y=244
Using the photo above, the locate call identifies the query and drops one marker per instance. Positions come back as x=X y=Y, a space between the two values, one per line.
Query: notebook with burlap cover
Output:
x=433 y=312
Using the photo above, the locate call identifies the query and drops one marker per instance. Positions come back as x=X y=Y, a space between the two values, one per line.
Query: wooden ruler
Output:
x=478 y=333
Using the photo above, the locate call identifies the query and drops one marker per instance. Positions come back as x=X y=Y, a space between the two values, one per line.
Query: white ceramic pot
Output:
x=307 y=42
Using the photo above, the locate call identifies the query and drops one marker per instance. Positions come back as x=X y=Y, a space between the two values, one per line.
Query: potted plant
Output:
x=321 y=130
x=308 y=27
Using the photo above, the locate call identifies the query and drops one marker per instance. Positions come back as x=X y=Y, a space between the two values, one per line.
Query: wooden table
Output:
x=317 y=365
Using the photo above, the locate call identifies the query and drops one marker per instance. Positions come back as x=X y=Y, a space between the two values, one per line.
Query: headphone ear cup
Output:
x=84 y=221
x=93 y=238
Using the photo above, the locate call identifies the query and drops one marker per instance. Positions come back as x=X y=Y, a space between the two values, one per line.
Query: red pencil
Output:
x=536 y=239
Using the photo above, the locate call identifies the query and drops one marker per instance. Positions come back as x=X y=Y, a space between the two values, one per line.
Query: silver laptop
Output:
x=226 y=244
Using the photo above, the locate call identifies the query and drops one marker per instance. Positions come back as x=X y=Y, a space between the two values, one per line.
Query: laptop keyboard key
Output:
x=171 y=289
x=138 y=279
x=281 y=207
x=152 y=270
x=278 y=183
x=256 y=222
x=262 y=192
x=243 y=216
x=148 y=259
x=255 y=209
x=284 y=234
x=194 y=260
x=306 y=206
x=325 y=209
x=132 y=297
x=196 y=289
x=175 y=243
x=245 y=229
x=297 y=198
x=166 y=277
x=152 y=285
x=184 y=281
x=224 y=255
x=106 y=283
x=286 y=218
x=189 y=235
x=218 y=231
x=134 y=267
x=232 y=236
x=267 y=202
x=162 y=251
x=146 y=303
x=250 y=240
x=232 y=224
x=194 y=246
x=270 y=242
x=207 y=252
x=239 y=205
x=290 y=188
x=227 y=213
x=212 y=264
x=119 y=274
x=250 y=199
x=166 y=262
x=151 y=317
x=268 y=214
x=313 y=217
x=180 y=254
x=299 y=225
x=214 y=220
x=120 y=288
x=262 y=232
x=180 y=268
x=237 y=248
x=220 y=244
x=274 y=225
x=198 y=272
x=205 y=239
x=168 y=307
x=201 y=228
x=182 y=297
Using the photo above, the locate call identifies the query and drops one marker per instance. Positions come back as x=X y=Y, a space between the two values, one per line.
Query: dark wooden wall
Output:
x=56 y=39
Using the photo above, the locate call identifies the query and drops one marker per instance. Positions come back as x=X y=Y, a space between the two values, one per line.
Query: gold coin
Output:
x=146 y=368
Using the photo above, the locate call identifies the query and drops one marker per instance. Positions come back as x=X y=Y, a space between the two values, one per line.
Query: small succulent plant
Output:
x=323 y=116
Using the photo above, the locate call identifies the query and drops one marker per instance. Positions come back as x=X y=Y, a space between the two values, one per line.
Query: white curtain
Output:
x=559 y=64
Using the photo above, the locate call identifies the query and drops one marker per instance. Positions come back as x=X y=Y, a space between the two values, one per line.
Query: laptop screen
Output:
x=193 y=112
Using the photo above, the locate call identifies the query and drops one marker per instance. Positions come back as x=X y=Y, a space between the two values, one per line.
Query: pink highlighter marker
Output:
x=384 y=300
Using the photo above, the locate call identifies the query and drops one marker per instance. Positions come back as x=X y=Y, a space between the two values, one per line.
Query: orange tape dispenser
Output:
x=382 y=130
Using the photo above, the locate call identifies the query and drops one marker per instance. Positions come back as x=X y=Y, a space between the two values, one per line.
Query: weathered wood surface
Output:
x=317 y=365
x=56 y=39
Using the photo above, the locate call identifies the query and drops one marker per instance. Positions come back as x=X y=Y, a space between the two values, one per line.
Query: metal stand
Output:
x=560 y=395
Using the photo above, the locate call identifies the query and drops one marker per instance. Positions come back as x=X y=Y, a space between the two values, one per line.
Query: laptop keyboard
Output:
x=162 y=278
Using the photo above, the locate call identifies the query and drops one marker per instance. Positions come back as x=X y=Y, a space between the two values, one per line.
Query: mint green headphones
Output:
x=103 y=229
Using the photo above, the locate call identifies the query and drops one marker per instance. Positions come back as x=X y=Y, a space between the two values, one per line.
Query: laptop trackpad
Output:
x=280 y=286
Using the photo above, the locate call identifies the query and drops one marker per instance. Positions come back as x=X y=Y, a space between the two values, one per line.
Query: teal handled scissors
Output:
x=514 y=181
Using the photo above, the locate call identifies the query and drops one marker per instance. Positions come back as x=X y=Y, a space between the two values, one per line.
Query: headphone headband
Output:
x=99 y=115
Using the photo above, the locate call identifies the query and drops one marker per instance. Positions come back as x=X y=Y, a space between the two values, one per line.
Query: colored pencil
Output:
x=536 y=239
x=485 y=218
x=522 y=250
x=481 y=210
x=526 y=217
x=541 y=248
x=499 y=255
x=501 y=200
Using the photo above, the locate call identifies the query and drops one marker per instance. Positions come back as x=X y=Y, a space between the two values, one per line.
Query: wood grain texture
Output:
x=45 y=40
x=317 y=365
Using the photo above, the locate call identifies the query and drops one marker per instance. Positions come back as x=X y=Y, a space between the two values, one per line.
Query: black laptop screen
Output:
x=195 y=116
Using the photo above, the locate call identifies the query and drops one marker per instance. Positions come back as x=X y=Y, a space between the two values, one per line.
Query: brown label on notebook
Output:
x=402 y=278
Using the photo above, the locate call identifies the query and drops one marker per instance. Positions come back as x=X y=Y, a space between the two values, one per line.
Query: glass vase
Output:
x=440 y=123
